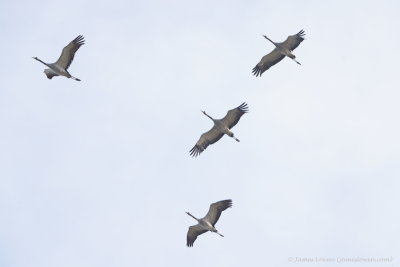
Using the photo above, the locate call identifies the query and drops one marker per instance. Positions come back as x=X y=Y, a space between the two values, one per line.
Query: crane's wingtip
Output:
x=256 y=71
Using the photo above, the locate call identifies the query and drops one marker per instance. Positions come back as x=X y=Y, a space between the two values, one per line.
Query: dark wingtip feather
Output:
x=301 y=33
x=244 y=108
x=227 y=202
x=256 y=71
x=80 y=40
x=194 y=152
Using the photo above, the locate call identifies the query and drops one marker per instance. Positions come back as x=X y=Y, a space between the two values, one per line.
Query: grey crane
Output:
x=221 y=127
x=208 y=222
x=281 y=50
x=60 y=67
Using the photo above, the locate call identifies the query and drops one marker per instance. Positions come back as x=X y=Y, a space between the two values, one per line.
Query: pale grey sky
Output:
x=98 y=172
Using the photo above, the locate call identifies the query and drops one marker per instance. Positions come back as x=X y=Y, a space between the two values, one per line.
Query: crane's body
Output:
x=221 y=127
x=60 y=67
x=282 y=50
x=208 y=222
x=205 y=224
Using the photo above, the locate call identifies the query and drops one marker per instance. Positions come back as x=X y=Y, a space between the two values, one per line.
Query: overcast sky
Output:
x=98 y=172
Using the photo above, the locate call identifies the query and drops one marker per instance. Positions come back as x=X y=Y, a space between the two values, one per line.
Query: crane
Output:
x=208 y=222
x=60 y=67
x=281 y=50
x=221 y=127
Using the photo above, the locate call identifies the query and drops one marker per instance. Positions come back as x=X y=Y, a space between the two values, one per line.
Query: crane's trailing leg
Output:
x=289 y=54
x=229 y=133
x=296 y=61
x=76 y=79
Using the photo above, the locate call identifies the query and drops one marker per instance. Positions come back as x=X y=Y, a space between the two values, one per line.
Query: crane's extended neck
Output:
x=192 y=216
x=207 y=115
x=269 y=39
x=41 y=61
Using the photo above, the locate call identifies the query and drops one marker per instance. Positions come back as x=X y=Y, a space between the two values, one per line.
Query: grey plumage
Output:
x=60 y=67
x=281 y=50
x=208 y=222
x=220 y=128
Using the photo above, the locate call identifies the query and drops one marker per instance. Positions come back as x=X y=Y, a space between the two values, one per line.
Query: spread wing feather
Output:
x=216 y=209
x=192 y=234
x=233 y=116
x=205 y=140
x=68 y=52
x=293 y=41
x=267 y=62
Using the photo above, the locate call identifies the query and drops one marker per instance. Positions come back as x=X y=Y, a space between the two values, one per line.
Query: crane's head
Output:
x=204 y=112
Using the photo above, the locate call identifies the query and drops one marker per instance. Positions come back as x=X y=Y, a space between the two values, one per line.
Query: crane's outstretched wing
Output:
x=233 y=116
x=216 y=209
x=192 y=234
x=205 y=140
x=68 y=52
x=293 y=41
x=267 y=62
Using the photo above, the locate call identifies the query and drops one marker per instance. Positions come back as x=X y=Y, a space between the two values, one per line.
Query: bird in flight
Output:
x=60 y=67
x=281 y=50
x=208 y=222
x=221 y=127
